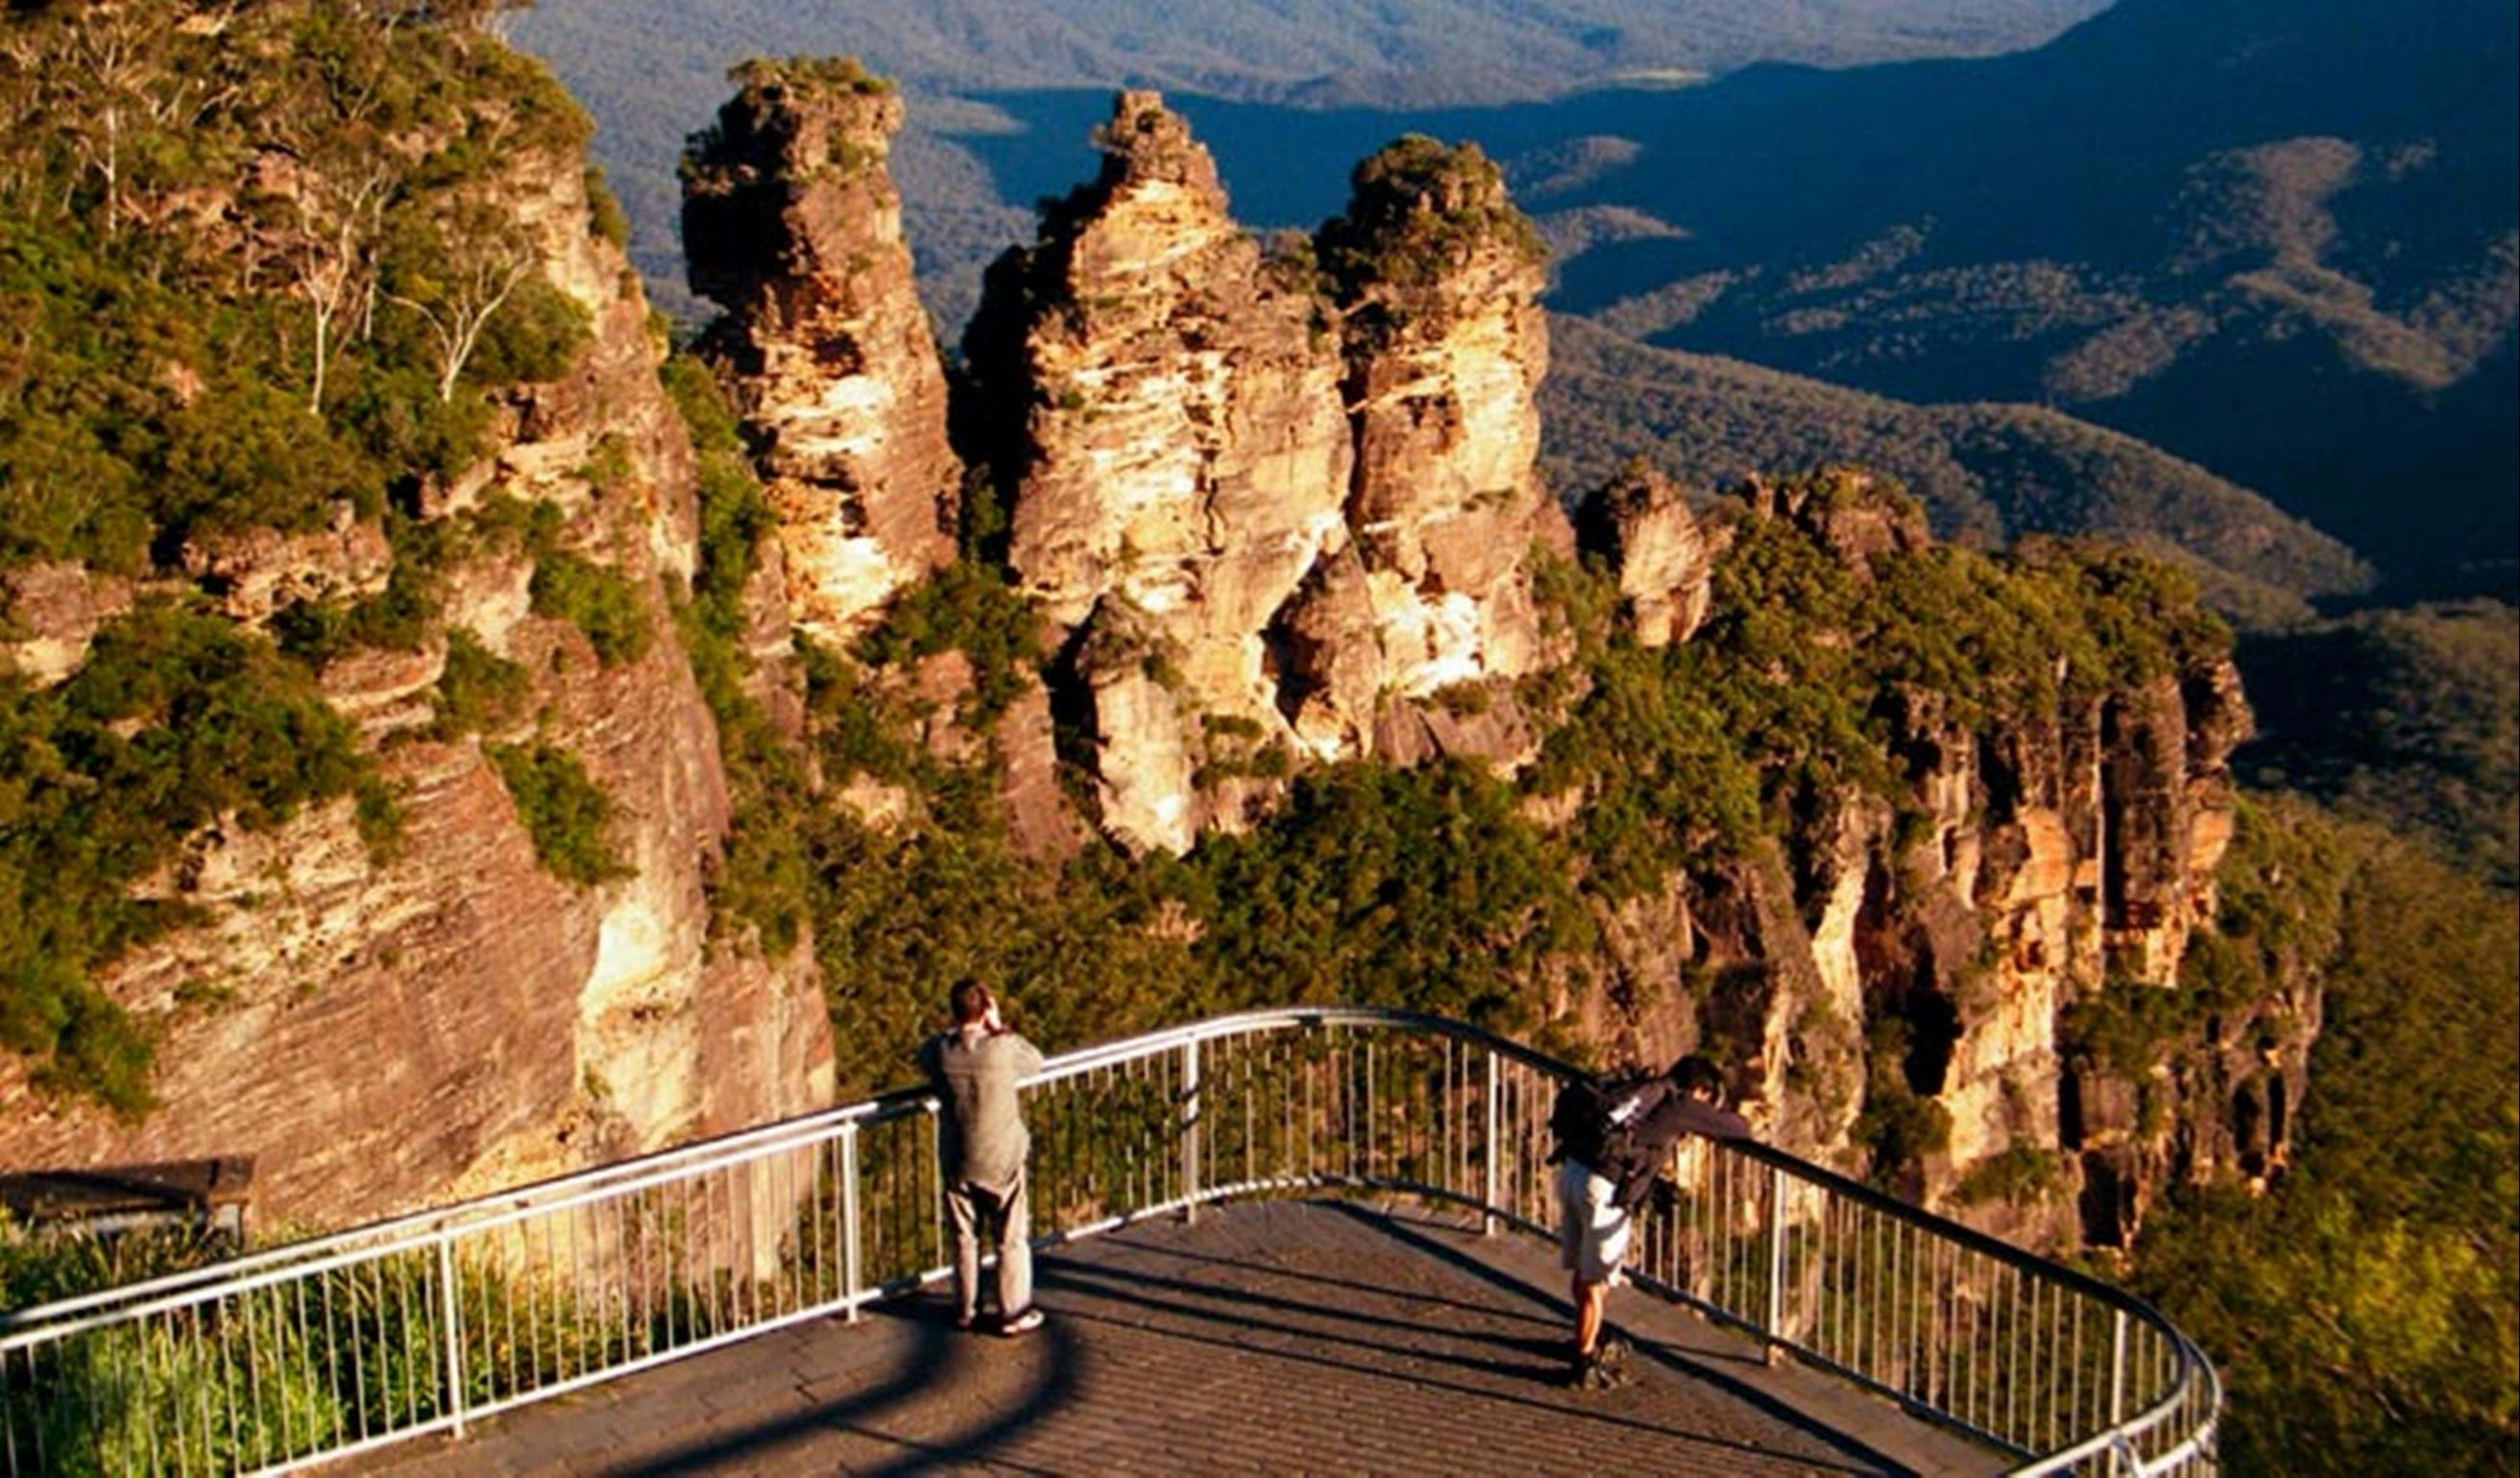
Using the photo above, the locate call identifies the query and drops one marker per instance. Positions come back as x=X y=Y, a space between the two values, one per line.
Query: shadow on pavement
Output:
x=1115 y=1286
x=929 y=1368
x=1691 y=1365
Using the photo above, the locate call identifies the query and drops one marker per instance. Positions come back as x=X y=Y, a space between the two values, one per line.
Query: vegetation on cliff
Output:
x=2401 y=719
x=1420 y=209
x=179 y=719
x=1438 y=887
x=247 y=265
x=2365 y=1309
x=254 y=274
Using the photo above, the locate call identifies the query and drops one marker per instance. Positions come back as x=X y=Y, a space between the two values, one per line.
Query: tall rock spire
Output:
x=1183 y=461
x=791 y=224
x=1438 y=278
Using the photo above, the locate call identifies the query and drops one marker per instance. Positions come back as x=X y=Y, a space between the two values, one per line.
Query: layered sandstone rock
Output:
x=791 y=224
x=1180 y=461
x=49 y=615
x=381 y=1033
x=1296 y=485
x=2048 y=862
x=1439 y=283
x=255 y=572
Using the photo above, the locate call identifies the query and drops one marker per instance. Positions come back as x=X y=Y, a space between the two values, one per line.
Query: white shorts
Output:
x=1592 y=1230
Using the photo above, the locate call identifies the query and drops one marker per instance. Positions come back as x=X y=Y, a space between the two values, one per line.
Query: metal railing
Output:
x=427 y=1322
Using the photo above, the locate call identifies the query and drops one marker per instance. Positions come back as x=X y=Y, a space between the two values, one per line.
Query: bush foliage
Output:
x=179 y=718
x=253 y=274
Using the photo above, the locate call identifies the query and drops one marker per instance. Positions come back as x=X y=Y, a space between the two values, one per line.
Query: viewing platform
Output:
x=1309 y=1239
x=1275 y=1337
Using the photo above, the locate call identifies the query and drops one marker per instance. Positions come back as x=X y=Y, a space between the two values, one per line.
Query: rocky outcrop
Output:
x=1439 y=278
x=1952 y=978
x=384 y=1032
x=791 y=224
x=1269 y=533
x=1171 y=428
x=1639 y=524
x=49 y=615
x=253 y=573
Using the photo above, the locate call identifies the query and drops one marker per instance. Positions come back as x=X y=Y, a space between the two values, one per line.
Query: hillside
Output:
x=349 y=544
x=1988 y=473
x=2276 y=240
x=400 y=647
x=2404 y=719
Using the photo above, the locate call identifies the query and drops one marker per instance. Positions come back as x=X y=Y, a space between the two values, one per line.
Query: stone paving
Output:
x=1286 y=1338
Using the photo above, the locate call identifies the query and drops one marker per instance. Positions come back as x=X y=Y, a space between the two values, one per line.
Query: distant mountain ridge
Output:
x=2280 y=241
x=1987 y=471
x=1417 y=53
x=2293 y=254
x=652 y=70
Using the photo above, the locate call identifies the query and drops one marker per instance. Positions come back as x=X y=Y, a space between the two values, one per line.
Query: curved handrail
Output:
x=627 y=1265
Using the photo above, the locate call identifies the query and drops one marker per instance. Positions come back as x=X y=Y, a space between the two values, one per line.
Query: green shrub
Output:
x=179 y=718
x=611 y=223
x=969 y=609
x=598 y=599
x=566 y=814
x=478 y=691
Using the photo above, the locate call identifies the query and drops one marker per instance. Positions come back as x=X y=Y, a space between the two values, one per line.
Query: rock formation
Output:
x=1439 y=280
x=2052 y=863
x=382 y=1034
x=1182 y=459
x=1275 y=507
x=794 y=227
x=1640 y=524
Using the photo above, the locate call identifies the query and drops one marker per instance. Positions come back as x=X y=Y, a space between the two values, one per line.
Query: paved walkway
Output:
x=1291 y=1337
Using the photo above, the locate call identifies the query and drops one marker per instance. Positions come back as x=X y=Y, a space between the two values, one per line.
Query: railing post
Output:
x=2117 y=1390
x=1495 y=1176
x=1190 y=1129
x=451 y=1318
x=945 y=1248
x=852 y=1278
x=1776 y=1262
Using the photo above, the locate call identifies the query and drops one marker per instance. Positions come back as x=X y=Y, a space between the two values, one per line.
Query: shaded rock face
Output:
x=791 y=224
x=1264 y=534
x=382 y=1035
x=49 y=615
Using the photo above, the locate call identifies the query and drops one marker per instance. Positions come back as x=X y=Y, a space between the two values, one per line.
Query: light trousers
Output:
x=1006 y=1218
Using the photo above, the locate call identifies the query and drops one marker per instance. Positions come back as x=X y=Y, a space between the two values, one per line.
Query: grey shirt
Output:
x=984 y=1138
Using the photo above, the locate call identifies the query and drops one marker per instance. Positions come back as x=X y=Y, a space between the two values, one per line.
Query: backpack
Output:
x=1594 y=1121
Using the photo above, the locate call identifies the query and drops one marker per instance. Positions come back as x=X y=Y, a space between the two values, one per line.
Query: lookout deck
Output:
x=1290 y=1336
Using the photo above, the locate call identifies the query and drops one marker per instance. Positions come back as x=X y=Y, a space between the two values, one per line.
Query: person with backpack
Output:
x=977 y=1066
x=1613 y=1139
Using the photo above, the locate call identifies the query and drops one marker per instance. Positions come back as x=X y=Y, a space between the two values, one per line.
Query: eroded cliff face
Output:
x=1439 y=283
x=1277 y=506
x=1639 y=524
x=795 y=231
x=382 y=1033
x=1944 y=956
x=1166 y=402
